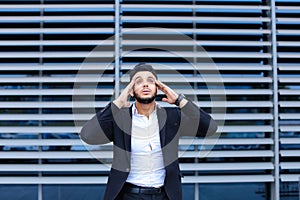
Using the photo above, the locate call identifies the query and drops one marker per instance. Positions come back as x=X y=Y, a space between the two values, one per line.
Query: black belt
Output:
x=130 y=188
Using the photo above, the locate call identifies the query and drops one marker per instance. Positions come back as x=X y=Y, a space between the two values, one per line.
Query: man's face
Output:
x=144 y=88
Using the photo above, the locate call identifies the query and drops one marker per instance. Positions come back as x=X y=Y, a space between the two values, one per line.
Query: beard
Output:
x=143 y=100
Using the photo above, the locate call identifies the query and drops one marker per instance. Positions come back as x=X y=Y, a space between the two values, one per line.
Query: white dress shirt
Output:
x=147 y=166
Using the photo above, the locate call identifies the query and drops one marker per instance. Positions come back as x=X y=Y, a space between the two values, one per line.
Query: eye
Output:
x=139 y=81
x=150 y=81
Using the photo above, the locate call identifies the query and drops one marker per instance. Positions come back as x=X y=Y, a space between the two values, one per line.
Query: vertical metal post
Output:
x=195 y=60
x=117 y=48
x=275 y=191
x=41 y=49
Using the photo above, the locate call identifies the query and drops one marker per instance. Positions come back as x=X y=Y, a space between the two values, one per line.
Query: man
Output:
x=145 y=137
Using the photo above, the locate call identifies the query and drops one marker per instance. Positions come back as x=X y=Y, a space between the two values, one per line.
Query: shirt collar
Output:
x=135 y=111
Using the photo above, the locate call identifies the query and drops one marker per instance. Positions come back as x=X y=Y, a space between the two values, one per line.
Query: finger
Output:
x=167 y=90
x=158 y=84
x=129 y=87
x=162 y=87
x=164 y=99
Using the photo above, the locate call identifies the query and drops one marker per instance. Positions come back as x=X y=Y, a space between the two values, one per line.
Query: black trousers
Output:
x=132 y=196
x=131 y=192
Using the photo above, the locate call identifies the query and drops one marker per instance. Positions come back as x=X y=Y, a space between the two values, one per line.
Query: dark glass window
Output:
x=232 y=191
x=74 y=192
x=19 y=192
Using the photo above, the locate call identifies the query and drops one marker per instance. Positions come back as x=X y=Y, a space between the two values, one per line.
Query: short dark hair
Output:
x=142 y=67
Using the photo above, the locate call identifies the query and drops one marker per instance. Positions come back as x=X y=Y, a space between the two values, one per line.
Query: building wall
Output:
x=61 y=61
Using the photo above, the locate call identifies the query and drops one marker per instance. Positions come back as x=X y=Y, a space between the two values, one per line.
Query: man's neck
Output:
x=145 y=109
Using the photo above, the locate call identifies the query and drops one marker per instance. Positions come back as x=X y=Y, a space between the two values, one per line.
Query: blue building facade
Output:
x=61 y=61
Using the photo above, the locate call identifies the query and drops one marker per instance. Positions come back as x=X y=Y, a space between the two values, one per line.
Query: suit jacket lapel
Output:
x=162 y=118
x=128 y=123
x=124 y=120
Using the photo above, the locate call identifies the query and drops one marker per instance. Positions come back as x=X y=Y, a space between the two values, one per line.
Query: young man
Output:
x=145 y=137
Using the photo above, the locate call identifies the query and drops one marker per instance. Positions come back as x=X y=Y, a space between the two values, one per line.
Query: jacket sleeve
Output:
x=196 y=122
x=99 y=129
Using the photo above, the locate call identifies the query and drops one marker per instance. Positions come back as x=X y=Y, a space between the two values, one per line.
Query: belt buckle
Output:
x=159 y=190
x=150 y=190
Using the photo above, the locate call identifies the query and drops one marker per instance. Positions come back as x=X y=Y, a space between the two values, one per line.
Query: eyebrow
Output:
x=142 y=77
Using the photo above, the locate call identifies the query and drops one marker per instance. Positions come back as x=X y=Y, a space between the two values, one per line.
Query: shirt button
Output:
x=127 y=169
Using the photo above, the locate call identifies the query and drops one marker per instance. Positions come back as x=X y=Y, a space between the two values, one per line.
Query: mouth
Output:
x=145 y=92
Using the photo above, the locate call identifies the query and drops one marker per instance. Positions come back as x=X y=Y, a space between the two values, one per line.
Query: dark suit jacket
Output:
x=114 y=124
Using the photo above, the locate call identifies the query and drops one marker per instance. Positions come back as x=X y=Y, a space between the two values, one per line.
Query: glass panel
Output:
x=19 y=192
x=74 y=192
x=289 y=191
x=188 y=191
x=235 y=191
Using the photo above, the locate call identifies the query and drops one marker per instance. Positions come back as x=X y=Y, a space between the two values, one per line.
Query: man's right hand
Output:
x=122 y=100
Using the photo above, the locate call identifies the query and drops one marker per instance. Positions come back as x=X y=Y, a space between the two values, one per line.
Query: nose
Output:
x=145 y=83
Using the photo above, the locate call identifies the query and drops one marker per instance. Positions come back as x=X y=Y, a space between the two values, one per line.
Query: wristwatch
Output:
x=179 y=99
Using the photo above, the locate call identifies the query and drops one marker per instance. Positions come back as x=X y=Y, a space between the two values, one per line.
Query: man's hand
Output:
x=122 y=100
x=171 y=94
